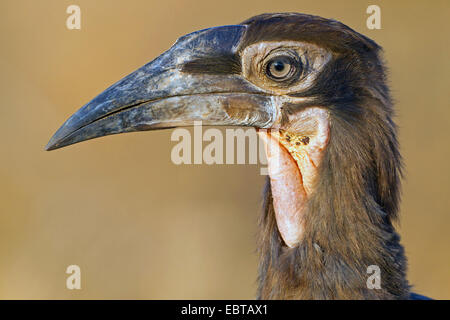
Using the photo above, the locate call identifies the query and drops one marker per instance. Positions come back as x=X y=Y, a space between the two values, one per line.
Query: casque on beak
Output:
x=197 y=79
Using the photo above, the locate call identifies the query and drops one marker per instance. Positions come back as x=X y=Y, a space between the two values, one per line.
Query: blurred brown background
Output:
x=142 y=227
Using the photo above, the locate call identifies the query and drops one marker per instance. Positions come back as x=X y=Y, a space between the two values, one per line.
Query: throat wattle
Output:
x=293 y=162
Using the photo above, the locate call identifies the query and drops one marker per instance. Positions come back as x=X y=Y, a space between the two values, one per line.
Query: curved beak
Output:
x=197 y=79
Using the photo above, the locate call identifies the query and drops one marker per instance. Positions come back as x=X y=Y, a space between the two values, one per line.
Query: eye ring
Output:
x=282 y=68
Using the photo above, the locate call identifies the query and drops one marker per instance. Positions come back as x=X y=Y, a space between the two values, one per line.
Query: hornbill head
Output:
x=255 y=74
x=320 y=87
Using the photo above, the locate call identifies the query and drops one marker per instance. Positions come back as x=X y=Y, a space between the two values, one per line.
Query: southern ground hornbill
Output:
x=334 y=164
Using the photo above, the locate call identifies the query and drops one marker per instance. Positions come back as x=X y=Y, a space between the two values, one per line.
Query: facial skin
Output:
x=296 y=145
x=305 y=60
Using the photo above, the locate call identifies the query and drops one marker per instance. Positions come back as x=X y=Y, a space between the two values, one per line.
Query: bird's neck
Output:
x=348 y=235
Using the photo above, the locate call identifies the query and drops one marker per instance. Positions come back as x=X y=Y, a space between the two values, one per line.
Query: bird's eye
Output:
x=281 y=68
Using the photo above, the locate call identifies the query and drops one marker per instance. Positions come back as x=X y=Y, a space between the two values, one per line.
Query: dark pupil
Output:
x=279 y=65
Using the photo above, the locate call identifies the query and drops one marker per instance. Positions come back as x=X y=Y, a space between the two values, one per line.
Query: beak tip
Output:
x=54 y=143
x=50 y=146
